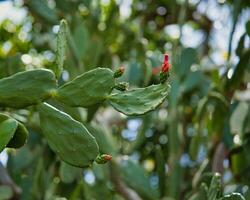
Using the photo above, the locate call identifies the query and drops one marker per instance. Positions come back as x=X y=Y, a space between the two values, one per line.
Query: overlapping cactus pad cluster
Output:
x=68 y=138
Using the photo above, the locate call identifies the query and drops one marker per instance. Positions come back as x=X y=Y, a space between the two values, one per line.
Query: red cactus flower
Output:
x=165 y=66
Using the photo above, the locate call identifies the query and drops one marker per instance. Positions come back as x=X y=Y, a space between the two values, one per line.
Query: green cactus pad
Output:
x=26 y=88
x=7 y=130
x=68 y=138
x=19 y=138
x=139 y=101
x=12 y=133
x=60 y=48
x=87 y=89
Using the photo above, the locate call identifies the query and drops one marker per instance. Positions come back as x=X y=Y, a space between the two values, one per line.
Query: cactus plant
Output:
x=139 y=101
x=214 y=191
x=60 y=48
x=67 y=137
x=166 y=154
x=27 y=88
x=12 y=133
x=88 y=89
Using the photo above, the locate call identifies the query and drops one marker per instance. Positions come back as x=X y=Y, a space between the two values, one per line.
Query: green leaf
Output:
x=233 y=196
x=139 y=101
x=68 y=138
x=61 y=48
x=88 y=89
x=12 y=133
x=27 y=88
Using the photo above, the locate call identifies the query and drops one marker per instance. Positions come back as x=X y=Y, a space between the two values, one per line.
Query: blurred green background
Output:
x=203 y=127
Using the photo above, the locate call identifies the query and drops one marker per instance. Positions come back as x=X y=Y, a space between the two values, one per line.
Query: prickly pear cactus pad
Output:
x=88 y=89
x=7 y=130
x=68 y=138
x=26 y=88
x=19 y=138
x=139 y=101
x=60 y=47
x=12 y=133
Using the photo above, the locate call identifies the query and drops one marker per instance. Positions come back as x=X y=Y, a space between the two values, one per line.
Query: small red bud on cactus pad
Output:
x=165 y=66
x=107 y=157
x=102 y=159
x=119 y=72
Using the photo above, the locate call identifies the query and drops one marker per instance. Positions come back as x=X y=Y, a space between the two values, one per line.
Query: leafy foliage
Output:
x=184 y=139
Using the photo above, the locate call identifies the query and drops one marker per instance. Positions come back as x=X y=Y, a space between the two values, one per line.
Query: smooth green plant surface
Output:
x=67 y=137
x=88 y=89
x=13 y=133
x=139 y=101
x=27 y=88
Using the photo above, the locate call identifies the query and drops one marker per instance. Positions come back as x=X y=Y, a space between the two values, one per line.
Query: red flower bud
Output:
x=119 y=72
x=122 y=69
x=103 y=158
x=107 y=157
x=165 y=66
